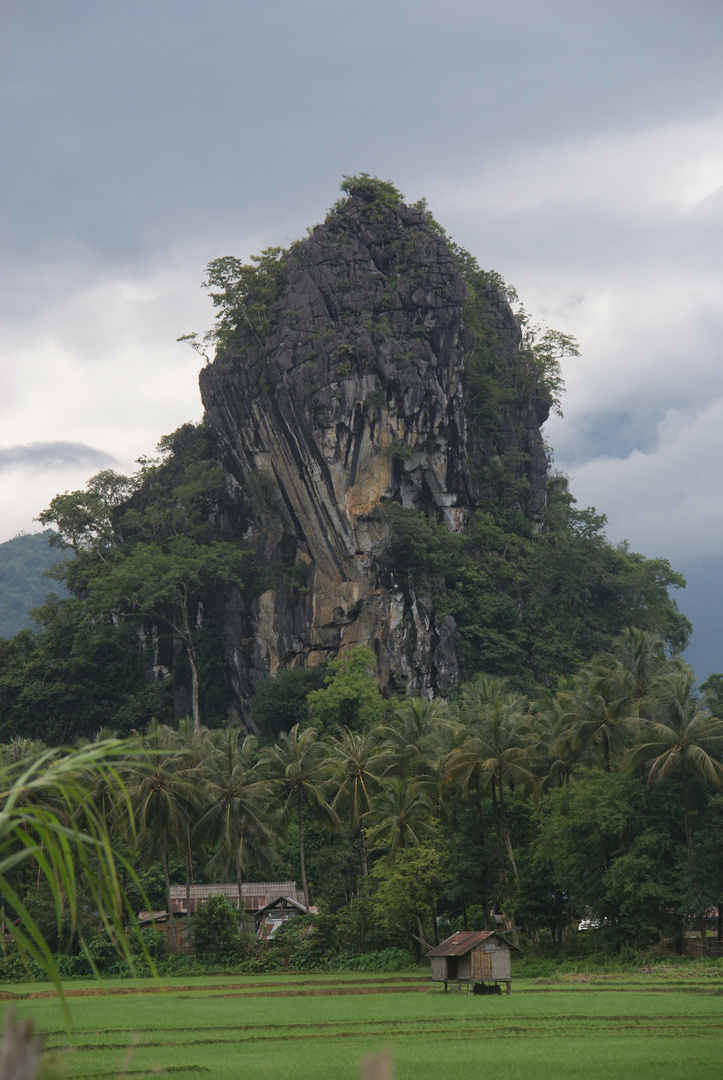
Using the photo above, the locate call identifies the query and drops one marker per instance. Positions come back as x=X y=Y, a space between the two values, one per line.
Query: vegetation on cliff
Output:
x=532 y=605
x=529 y=604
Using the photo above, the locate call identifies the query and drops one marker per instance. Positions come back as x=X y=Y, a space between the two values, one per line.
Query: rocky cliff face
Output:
x=349 y=393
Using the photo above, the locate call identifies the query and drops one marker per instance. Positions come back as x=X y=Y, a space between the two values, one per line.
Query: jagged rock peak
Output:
x=339 y=386
x=359 y=383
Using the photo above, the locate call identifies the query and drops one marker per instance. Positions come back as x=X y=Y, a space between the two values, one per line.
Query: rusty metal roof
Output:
x=152 y=916
x=460 y=943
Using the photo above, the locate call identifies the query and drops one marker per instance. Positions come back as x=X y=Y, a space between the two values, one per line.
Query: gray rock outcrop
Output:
x=352 y=395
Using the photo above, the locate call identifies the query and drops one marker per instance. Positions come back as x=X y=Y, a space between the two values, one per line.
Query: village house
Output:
x=269 y=903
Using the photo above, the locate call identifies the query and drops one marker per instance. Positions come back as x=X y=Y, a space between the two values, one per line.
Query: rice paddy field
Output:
x=665 y=1025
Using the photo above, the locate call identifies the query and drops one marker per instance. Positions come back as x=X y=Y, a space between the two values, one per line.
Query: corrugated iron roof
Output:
x=460 y=943
x=266 y=889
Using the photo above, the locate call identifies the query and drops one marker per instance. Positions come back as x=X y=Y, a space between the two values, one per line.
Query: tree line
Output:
x=595 y=803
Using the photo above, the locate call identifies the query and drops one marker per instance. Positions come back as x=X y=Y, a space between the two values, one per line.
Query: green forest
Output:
x=405 y=820
x=572 y=778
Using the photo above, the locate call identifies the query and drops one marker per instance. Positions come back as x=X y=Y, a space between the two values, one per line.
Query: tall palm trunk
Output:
x=189 y=866
x=510 y=852
x=195 y=696
x=689 y=845
x=498 y=835
x=606 y=751
x=686 y=812
x=166 y=875
x=505 y=828
x=238 y=844
x=365 y=868
x=301 y=852
x=433 y=913
x=483 y=865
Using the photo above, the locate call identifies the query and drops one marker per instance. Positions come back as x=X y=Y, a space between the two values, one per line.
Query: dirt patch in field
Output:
x=335 y=991
x=147 y=1072
x=163 y=988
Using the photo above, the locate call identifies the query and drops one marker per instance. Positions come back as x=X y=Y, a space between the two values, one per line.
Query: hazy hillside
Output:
x=22 y=585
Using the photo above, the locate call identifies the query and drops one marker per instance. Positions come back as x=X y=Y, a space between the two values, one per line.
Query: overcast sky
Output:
x=576 y=147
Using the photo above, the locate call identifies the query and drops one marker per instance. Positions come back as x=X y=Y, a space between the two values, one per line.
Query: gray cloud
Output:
x=42 y=456
x=125 y=122
x=572 y=146
x=610 y=434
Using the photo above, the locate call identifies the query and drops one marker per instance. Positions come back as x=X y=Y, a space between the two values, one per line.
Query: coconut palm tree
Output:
x=497 y=744
x=102 y=790
x=163 y=789
x=354 y=766
x=558 y=754
x=681 y=738
x=234 y=813
x=192 y=741
x=400 y=814
x=412 y=740
x=598 y=705
x=636 y=659
x=299 y=771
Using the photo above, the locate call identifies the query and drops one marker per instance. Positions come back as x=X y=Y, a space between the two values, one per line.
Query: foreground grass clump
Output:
x=317 y=1027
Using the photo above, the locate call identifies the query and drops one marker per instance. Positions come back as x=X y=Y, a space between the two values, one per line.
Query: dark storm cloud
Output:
x=41 y=456
x=125 y=122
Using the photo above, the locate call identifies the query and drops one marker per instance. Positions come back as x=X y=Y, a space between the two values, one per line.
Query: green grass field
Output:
x=313 y=1027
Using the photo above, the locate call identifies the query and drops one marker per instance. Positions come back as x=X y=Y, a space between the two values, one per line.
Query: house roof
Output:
x=256 y=894
x=464 y=941
x=152 y=916
x=280 y=901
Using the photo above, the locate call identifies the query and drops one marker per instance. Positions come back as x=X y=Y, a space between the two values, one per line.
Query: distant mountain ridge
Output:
x=22 y=584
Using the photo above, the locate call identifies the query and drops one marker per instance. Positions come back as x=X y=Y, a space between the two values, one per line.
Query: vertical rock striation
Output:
x=353 y=395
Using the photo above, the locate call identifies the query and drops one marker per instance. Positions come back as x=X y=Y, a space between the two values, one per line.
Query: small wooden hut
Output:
x=475 y=957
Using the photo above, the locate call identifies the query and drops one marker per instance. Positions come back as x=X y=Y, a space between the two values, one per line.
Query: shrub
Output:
x=154 y=943
x=216 y=934
x=389 y=959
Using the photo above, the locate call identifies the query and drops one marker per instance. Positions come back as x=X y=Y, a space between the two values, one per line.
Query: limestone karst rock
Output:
x=350 y=395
